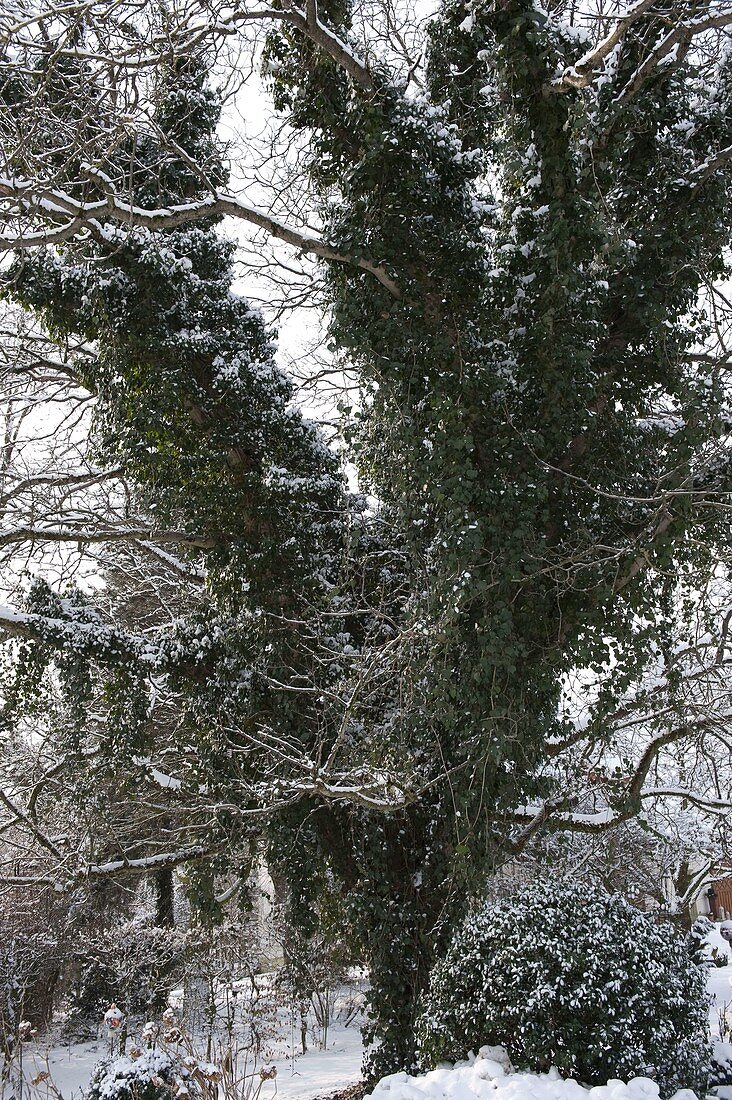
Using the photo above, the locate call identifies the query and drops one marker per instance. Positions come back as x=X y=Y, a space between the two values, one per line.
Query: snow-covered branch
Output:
x=103 y=533
x=708 y=167
x=621 y=798
x=673 y=43
x=62 y=881
x=106 y=642
x=672 y=47
x=581 y=73
x=64 y=217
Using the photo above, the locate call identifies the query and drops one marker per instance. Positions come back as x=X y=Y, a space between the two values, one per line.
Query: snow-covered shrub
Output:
x=587 y=984
x=696 y=941
x=698 y=946
x=721 y=1074
x=152 y=1075
x=133 y=963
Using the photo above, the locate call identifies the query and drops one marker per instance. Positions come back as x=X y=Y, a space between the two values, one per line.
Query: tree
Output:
x=518 y=221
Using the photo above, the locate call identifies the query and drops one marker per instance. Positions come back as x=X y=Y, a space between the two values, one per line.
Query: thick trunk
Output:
x=164 y=913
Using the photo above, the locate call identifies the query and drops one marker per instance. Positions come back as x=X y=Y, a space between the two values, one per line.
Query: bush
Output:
x=696 y=941
x=153 y=1075
x=721 y=1075
x=133 y=963
x=590 y=986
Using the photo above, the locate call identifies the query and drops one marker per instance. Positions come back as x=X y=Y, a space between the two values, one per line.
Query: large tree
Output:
x=520 y=211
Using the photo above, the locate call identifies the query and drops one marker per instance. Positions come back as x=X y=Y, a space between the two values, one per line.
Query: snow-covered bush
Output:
x=152 y=1075
x=721 y=1075
x=696 y=941
x=587 y=984
x=133 y=963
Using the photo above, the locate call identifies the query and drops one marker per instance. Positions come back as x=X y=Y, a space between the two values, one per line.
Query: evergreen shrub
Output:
x=588 y=984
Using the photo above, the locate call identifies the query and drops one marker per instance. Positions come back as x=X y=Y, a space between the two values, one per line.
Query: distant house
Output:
x=719 y=897
x=714 y=899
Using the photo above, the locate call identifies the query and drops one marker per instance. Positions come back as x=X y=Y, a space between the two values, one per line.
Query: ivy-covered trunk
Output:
x=547 y=248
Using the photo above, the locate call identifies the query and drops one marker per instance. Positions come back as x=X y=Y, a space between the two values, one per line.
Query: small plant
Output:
x=719 y=958
x=165 y=1064
x=143 y=1075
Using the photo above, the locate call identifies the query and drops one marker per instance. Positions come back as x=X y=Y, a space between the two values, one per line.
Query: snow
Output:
x=719 y=980
x=719 y=984
x=318 y=1073
x=488 y=1077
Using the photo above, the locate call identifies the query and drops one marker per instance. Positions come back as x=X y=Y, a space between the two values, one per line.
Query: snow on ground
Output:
x=719 y=984
x=320 y=1072
x=316 y=1073
x=719 y=981
x=486 y=1078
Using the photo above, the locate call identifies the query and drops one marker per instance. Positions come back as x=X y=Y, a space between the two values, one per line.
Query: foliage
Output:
x=507 y=403
x=696 y=941
x=587 y=984
x=220 y=455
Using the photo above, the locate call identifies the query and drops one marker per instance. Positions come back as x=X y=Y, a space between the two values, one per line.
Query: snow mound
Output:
x=490 y=1077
